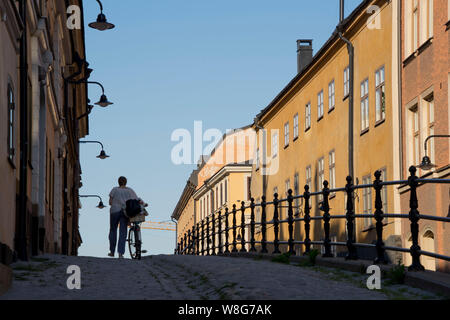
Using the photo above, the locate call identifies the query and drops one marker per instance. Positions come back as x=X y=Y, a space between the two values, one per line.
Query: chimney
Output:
x=304 y=53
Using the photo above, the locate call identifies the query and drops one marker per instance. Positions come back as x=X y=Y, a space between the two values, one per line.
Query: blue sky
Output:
x=170 y=63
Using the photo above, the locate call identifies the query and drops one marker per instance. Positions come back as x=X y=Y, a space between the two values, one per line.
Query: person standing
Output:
x=117 y=200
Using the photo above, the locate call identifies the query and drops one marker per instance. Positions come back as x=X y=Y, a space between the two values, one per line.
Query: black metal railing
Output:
x=225 y=240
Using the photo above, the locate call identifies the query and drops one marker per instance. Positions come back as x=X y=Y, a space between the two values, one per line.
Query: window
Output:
x=296 y=126
x=207 y=205
x=415 y=31
x=416 y=134
x=380 y=102
x=249 y=188
x=216 y=198
x=257 y=159
x=320 y=176
x=274 y=144
x=367 y=201
x=346 y=81
x=286 y=134
x=226 y=191
x=331 y=96
x=365 y=105
x=419 y=22
x=429 y=103
x=332 y=169
x=308 y=177
x=320 y=105
x=11 y=124
x=308 y=116
x=221 y=194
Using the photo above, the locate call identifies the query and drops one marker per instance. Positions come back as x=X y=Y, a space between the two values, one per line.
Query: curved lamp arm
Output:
x=90 y=196
x=101 y=6
x=434 y=136
x=93 y=142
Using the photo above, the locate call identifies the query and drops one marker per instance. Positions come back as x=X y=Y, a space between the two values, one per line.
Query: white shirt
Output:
x=119 y=196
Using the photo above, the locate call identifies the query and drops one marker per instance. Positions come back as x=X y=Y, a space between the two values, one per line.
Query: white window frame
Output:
x=274 y=144
x=286 y=134
x=332 y=169
x=331 y=95
x=296 y=126
x=308 y=116
x=380 y=95
x=346 y=81
x=364 y=104
x=320 y=105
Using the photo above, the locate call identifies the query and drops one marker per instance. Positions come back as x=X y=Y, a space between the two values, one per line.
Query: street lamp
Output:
x=426 y=161
x=100 y=204
x=102 y=154
x=103 y=102
x=101 y=24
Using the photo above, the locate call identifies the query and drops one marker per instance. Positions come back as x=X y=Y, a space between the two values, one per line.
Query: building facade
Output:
x=425 y=62
x=39 y=57
x=223 y=179
x=303 y=134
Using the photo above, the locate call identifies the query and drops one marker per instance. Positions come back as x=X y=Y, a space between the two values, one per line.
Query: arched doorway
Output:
x=428 y=245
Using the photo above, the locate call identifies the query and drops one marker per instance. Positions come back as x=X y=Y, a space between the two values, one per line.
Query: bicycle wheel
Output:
x=132 y=243
x=138 y=242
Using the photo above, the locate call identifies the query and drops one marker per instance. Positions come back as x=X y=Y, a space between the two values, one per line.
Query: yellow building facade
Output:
x=306 y=129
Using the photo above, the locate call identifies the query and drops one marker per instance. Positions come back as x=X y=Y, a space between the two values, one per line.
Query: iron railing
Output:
x=208 y=238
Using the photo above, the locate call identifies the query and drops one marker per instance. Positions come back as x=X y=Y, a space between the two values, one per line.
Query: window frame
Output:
x=380 y=99
x=367 y=201
x=308 y=116
x=274 y=147
x=320 y=105
x=365 y=111
x=332 y=170
x=295 y=126
x=331 y=96
x=286 y=135
x=346 y=82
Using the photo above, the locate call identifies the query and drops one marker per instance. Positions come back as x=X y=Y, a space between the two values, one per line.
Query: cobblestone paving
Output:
x=191 y=278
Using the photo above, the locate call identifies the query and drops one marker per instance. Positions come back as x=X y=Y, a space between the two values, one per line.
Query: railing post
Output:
x=207 y=236
x=275 y=224
x=185 y=243
x=219 y=226
x=203 y=237
x=227 y=231
x=326 y=220
x=350 y=216
x=306 y=196
x=178 y=249
x=192 y=251
x=379 y=219
x=243 y=227
x=213 y=235
x=188 y=250
x=414 y=217
x=198 y=239
x=291 y=223
x=234 y=230
x=263 y=225
x=182 y=247
x=252 y=225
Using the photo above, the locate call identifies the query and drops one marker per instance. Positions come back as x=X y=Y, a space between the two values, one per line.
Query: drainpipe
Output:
x=351 y=54
x=21 y=241
x=400 y=91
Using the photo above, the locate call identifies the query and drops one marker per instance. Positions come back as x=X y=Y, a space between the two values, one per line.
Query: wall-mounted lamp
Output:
x=101 y=24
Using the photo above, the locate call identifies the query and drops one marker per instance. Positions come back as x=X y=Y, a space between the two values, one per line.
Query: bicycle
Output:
x=134 y=235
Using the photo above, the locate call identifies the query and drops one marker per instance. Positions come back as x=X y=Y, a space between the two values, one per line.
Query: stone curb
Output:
x=437 y=282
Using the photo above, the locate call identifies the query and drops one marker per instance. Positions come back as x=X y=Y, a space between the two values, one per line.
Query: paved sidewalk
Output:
x=185 y=278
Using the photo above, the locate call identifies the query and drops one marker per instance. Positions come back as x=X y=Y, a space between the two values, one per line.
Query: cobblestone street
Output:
x=193 y=278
